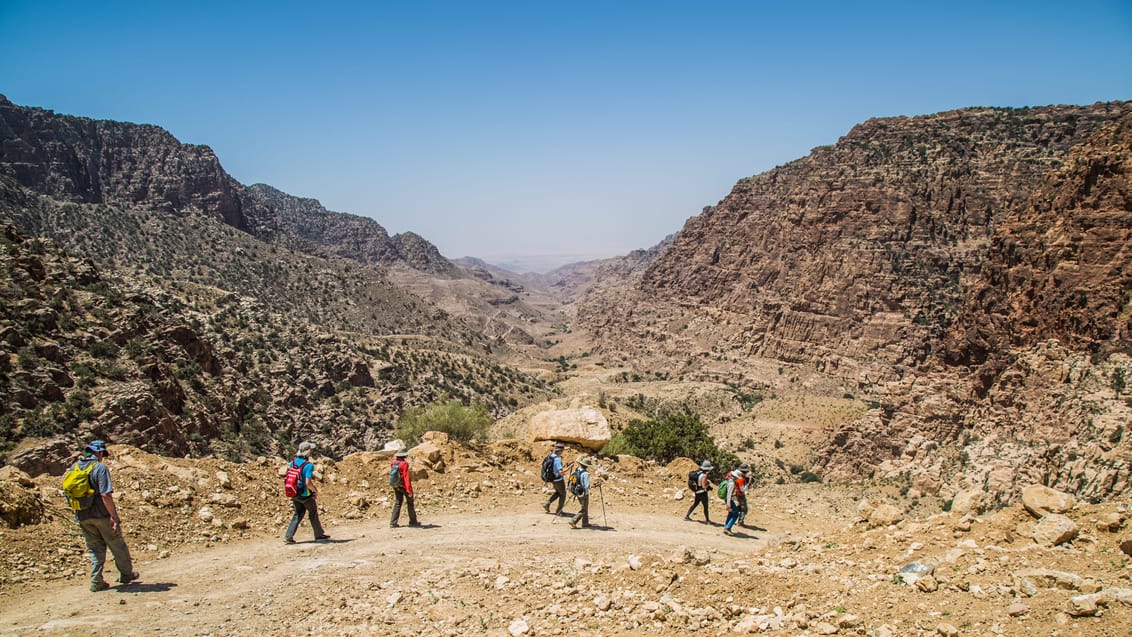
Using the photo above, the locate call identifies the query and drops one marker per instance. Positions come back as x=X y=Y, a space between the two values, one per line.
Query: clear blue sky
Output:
x=501 y=129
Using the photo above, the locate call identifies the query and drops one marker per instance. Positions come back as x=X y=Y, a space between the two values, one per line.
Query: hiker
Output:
x=735 y=484
x=699 y=479
x=402 y=488
x=98 y=519
x=581 y=478
x=304 y=500
x=745 y=469
x=557 y=474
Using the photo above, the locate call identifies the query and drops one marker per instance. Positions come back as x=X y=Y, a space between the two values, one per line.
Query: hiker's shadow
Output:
x=155 y=587
x=598 y=527
x=742 y=535
x=753 y=527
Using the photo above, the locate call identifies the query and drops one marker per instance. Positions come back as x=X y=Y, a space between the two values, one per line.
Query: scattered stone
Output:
x=518 y=627
x=915 y=571
x=1047 y=578
x=1111 y=522
x=824 y=628
x=971 y=501
x=947 y=630
x=1017 y=609
x=1055 y=529
x=927 y=584
x=885 y=515
x=1083 y=605
x=1041 y=500
x=1126 y=544
x=223 y=479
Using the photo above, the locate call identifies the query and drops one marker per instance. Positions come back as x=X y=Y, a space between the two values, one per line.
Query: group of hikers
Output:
x=90 y=494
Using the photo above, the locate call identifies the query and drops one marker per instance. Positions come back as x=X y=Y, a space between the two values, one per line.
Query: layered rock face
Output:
x=856 y=258
x=128 y=165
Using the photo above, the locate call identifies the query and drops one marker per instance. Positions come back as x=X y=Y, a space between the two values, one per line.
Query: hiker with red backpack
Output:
x=91 y=496
x=402 y=488
x=299 y=485
x=699 y=484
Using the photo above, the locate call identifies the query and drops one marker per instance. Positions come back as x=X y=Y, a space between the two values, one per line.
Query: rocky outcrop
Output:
x=856 y=258
x=129 y=165
x=585 y=426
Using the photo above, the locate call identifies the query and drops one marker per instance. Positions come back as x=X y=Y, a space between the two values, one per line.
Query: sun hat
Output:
x=745 y=468
x=585 y=462
x=403 y=453
x=97 y=446
x=558 y=446
x=305 y=449
x=706 y=465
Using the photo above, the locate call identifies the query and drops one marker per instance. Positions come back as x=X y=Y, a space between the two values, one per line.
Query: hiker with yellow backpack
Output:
x=91 y=496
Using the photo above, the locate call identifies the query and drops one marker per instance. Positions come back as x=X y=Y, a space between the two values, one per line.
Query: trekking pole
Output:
x=604 y=519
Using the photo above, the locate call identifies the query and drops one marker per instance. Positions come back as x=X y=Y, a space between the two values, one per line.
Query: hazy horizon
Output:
x=523 y=131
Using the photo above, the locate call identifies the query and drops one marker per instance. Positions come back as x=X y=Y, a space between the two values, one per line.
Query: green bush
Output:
x=674 y=436
x=453 y=418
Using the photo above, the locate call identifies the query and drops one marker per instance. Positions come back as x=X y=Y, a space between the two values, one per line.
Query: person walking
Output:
x=734 y=488
x=557 y=474
x=582 y=490
x=745 y=469
x=99 y=520
x=402 y=488
x=702 y=486
x=304 y=501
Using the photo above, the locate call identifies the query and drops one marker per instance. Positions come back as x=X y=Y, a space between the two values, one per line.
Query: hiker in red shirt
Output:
x=402 y=488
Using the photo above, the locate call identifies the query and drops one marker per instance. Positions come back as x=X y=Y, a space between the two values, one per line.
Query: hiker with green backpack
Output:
x=90 y=495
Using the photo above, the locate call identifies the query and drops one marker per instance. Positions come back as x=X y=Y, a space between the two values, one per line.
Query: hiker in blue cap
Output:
x=91 y=496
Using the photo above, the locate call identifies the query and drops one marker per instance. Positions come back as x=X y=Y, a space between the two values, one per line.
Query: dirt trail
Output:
x=249 y=587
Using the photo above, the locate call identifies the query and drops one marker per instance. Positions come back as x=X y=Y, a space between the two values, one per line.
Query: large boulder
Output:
x=1055 y=529
x=585 y=426
x=1041 y=500
x=21 y=504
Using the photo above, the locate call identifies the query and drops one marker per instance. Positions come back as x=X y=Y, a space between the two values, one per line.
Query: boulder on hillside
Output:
x=1041 y=500
x=52 y=457
x=1055 y=529
x=969 y=501
x=1125 y=544
x=885 y=515
x=21 y=504
x=585 y=426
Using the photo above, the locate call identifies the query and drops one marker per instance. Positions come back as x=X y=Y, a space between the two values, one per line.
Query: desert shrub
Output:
x=671 y=437
x=453 y=418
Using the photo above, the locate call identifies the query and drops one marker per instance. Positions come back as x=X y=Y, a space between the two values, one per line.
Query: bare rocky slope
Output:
x=966 y=272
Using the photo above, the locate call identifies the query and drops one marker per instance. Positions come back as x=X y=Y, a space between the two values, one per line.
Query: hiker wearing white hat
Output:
x=402 y=488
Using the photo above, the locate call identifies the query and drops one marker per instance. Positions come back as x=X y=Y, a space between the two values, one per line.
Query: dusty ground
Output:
x=489 y=561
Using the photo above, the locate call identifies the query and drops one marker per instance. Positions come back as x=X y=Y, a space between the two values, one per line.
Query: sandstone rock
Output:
x=223 y=480
x=885 y=515
x=824 y=628
x=1055 y=529
x=947 y=630
x=1041 y=500
x=428 y=454
x=20 y=504
x=1083 y=605
x=970 y=501
x=1047 y=578
x=1017 y=609
x=1110 y=522
x=1125 y=544
x=585 y=426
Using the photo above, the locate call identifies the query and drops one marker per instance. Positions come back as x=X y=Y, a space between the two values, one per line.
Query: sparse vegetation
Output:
x=461 y=422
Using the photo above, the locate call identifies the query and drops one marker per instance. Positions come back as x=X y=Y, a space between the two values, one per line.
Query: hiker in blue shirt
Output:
x=582 y=519
x=97 y=517
x=558 y=480
x=304 y=501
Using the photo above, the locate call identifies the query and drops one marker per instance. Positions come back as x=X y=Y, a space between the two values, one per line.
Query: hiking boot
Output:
x=559 y=512
x=321 y=538
x=546 y=507
x=131 y=577
x=288 y=540
x=573 y=524
x=728 y=532
x=101 y=586
x=414 y=523
x=394 y=525
x=687 y=518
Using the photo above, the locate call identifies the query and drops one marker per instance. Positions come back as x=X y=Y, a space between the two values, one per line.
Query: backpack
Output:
x=395 y=476
x=548 y=469
x=76 y=486
x=722 y=489
x=574 y=484
x=694 y=480
x=293 y=482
